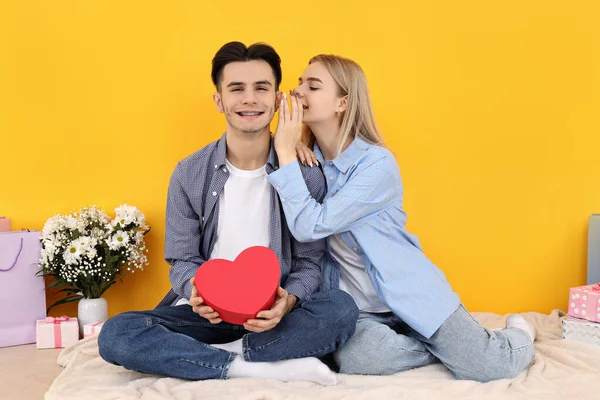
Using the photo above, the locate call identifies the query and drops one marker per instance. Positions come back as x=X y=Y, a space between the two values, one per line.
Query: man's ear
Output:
x=218 y=102
x=278 y=98
x=342 y=104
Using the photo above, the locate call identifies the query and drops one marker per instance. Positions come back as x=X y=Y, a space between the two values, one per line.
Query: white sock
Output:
x=517 y=321
x=234 y=347
x=299 y=369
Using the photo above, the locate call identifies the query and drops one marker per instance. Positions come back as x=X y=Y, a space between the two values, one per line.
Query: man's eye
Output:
x=313 y=88
x=262 y=88
x=236 y=90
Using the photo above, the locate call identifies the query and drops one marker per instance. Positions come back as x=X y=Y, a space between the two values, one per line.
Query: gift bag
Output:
x=22 y=294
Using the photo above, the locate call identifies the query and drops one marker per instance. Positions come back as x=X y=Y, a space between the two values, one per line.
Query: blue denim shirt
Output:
x=364 y=205
x=192 y=220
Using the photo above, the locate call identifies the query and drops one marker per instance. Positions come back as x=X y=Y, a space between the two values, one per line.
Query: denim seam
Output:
x=525 y=346
x=246 y=348
x=201 y=364
x=522 y=348
x=225 y=369
x=155 y=320
x=329 y=346
x=413 y=351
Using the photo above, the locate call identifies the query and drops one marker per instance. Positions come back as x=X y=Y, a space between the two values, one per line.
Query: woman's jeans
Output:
x=175 y=341
x=384 y=345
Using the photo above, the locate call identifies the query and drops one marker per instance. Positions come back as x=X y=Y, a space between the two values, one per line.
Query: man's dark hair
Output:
x=237 y=51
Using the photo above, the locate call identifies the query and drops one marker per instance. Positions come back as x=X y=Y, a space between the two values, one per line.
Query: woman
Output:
x=410 y=316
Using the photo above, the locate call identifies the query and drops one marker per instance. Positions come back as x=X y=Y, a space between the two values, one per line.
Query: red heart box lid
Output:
x=239 y=289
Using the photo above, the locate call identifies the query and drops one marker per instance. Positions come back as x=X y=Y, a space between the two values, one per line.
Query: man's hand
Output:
x=268 y=319
x=204 y=311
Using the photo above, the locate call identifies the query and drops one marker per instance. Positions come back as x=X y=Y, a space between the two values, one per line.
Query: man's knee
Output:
x=112 y=340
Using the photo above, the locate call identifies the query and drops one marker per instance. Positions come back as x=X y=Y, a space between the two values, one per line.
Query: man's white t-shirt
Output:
x=244 y=214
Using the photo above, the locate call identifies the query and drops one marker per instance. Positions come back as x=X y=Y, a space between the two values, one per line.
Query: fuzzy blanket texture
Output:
x=562 y=369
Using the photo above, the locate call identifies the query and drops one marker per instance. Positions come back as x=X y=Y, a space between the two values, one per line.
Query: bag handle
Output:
x=16 y=259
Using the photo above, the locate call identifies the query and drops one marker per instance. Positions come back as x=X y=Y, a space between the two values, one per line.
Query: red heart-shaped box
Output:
x=239 y=289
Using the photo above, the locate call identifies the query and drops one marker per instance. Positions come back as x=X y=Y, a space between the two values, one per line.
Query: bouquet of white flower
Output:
x=86 y=251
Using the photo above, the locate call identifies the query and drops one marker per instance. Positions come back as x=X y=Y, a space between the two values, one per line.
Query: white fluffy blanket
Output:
x=562 y=369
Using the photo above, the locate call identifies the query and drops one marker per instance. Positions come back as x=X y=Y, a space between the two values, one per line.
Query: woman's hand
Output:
x=305 y=154
x=289 y=129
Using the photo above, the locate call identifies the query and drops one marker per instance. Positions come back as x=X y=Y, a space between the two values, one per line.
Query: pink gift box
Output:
x=584 y=302
x=4 y=224
x=92 y=329
x=54 y=333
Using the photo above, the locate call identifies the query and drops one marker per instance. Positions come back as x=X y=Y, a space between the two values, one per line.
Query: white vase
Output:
x=90 y=311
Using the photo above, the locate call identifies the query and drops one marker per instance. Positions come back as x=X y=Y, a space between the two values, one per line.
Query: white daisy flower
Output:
x=118 y=240
x=72 y=254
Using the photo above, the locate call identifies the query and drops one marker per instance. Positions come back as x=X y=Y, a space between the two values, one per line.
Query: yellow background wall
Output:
x=491 y=107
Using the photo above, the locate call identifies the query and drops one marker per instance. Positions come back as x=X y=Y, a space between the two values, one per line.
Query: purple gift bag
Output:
x=22 y=294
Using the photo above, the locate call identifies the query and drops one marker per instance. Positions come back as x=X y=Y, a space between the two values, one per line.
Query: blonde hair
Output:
x=358 y=119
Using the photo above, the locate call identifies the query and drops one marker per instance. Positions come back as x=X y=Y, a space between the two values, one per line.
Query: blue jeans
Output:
x=175 y=341
x=383 y=345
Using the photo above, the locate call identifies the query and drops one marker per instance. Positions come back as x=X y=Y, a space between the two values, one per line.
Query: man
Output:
x=220 y=203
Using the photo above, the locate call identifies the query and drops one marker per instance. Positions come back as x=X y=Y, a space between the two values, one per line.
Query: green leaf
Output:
x=105 y=287
x=69 y=290
x=63 y=301
x=58 y=282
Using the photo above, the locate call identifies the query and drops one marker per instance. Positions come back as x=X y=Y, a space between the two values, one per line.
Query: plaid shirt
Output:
x=193 y=216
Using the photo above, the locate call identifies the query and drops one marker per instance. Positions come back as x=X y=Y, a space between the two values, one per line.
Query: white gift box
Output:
x=92 y=329
x=54 y=333
x=581 y=330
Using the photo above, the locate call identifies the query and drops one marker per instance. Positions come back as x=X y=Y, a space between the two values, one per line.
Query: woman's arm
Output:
x=372 y=188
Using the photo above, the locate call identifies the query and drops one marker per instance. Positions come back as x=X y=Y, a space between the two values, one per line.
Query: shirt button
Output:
x=224 y=169
x=216 y=166
x=276 y=168
x=214 y=193
x=331 y=178
x=355 y=249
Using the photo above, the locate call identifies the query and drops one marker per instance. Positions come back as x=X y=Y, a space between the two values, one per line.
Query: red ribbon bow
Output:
x=596 y=288
x=57 y=320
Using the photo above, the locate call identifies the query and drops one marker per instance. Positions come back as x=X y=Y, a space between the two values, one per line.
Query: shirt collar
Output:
x=221 y=154
x=347 y=157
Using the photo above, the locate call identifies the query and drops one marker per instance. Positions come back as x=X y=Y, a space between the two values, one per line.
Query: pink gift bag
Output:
x=22 y=294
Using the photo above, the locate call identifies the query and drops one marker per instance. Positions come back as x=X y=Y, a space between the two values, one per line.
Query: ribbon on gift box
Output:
x=94 y=326
x=57 y=333
x=596 y=288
